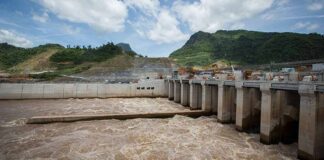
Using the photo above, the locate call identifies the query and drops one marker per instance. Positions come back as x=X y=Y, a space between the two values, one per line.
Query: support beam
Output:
x=193 y=100
x=311 y=123
x=242 y=107
x=271 y=103
x=206 y=97
x=199 y=95
x=171 y=90
x=166 y=88
x=185 y=92
x=248 y=108
x=226 y=103
x=177 y=91
x=214 y=98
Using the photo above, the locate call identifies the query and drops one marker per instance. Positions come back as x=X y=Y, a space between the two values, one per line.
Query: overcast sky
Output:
x=154 y=28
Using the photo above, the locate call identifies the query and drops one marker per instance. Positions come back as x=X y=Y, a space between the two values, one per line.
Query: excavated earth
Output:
x=172 y=138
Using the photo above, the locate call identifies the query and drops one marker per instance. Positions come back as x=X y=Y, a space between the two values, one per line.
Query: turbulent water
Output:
x=173 y=138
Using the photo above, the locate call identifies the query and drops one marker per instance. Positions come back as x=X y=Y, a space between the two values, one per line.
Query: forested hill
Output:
x=11 y=56
x=248 y=47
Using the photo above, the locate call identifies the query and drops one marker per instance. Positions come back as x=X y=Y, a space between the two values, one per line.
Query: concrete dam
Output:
x=280 y=112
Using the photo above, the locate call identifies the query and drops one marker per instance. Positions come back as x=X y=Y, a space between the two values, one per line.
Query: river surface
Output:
x=172 y=138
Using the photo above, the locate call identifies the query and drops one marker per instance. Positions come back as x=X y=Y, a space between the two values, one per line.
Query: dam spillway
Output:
x=278 y=112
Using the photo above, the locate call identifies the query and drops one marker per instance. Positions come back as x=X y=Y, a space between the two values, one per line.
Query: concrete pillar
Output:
x=166 y=87
x=193 y=101
x=311 y=123
x=270 y=114
x=248 y=108
x=171 y=90
x=199 y=96
x=185 y=92
x=177 y=91
x=242 y=107
x=226 y=103
x=214 y=98
x=206 y=97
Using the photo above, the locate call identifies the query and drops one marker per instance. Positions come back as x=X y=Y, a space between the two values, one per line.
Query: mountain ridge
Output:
x=248 y=47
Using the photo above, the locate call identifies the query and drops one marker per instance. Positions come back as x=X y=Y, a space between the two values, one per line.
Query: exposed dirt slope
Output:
x=125 y=68
x=39 y=62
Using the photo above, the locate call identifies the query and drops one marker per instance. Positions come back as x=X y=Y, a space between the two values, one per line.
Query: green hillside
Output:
x=11 y=55
x=248 y=47
x=55 y=60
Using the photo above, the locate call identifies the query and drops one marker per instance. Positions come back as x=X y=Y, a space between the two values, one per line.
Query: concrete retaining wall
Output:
x=147 y=88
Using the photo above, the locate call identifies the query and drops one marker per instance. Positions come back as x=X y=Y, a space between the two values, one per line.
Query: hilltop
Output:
x=248 y=47
x=125 y=47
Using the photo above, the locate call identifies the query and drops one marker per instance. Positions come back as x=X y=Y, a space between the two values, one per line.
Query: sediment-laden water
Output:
x=173 y=138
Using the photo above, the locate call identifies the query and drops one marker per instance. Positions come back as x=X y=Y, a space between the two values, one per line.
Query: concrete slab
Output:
x=70 y=118
x=118 y=90
x=53 y=91
x=102 y=90
x=32 y=91
x=84 y=90
x=69 y=91
x=10 y=91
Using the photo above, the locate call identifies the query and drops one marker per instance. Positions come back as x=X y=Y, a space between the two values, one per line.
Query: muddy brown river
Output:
x=173 y=138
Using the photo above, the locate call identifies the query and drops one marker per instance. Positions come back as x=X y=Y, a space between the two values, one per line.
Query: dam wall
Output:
x=281 y=112
x=147 y=88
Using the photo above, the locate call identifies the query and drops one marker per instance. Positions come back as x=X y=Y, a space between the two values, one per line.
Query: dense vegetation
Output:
x=57 y=59
x=80 y=55
x=11 y=55
x=125 y=46
x=249 y=47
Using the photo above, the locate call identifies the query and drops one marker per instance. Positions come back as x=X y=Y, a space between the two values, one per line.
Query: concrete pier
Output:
x=185 y=92
x=195 y=94
x=226 y=103
x=248 y=107
x=209 y=97
x=311 y=123
x=171 y=90
x=279 y=115
x=166 y=87
x=286 y=112
x=269 y=116
x=177 y=91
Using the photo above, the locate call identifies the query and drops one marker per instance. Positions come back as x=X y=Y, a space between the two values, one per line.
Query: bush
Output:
x=67 y=55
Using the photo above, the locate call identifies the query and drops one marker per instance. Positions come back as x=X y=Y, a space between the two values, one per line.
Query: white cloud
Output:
x=211 y=15
x=40 y=18
x=148 y=7
x=306 y=25
x=102 y=15
x=312 y=27
x=315 y=6
x=14 y=39
x=237 y=26
x=282 y=2
x=155 y=22
x=67 y=29
x=142 y=25
x=301 y=25
x=166 y=29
